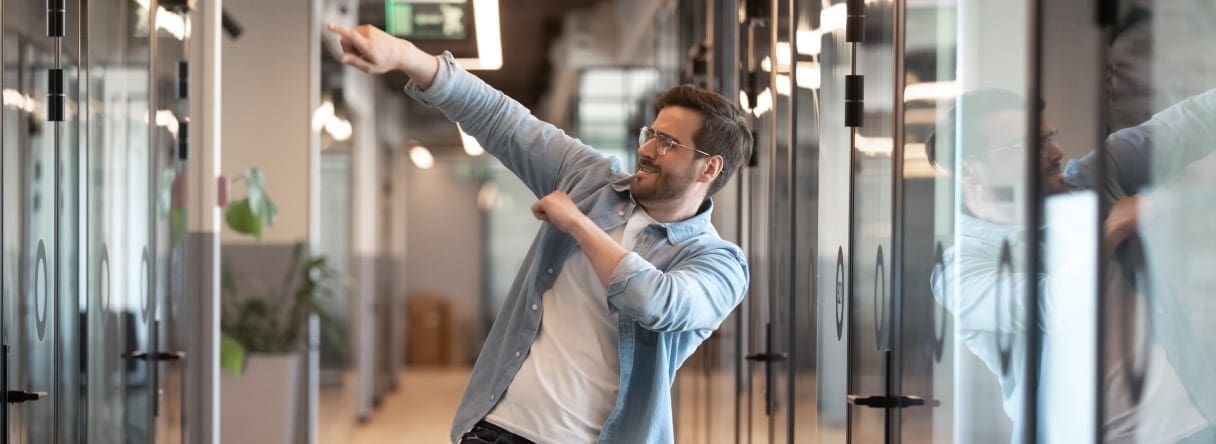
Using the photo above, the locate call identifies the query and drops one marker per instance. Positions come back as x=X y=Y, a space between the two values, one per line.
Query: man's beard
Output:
x=657 y=186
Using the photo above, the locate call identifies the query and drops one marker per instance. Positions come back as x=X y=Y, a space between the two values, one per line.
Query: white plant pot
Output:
x=260 y=405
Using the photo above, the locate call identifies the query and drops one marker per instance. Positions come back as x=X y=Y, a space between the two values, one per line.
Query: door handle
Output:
x=840 y=288
x=767 y=357
x=1003 y=295
x=939 y=333
x=158 y=356
x=880 y=303
x=17 y=396
x=890 y=402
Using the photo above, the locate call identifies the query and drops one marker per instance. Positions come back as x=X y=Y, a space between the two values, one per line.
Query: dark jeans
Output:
x=486 y=433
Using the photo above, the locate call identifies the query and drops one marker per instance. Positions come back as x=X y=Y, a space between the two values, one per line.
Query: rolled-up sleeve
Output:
x=697 y=293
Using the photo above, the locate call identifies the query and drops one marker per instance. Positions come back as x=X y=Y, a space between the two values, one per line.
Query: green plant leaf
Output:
x=241 y=219
x=259 y=202
x=232 y=355
x=177 y=220
x=256 y=210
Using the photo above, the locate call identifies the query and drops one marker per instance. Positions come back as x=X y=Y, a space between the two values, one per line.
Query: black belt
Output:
x=487 y=432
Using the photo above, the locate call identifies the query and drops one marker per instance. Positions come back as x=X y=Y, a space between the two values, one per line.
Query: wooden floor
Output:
x=420 y=411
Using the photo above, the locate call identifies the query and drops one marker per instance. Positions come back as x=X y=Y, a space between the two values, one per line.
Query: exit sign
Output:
x=427 y=19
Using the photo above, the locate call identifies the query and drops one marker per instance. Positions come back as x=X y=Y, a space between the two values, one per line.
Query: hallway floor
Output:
x=420 y=411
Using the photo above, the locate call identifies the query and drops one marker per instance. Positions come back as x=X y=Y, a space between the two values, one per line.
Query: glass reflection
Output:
x=979 y=144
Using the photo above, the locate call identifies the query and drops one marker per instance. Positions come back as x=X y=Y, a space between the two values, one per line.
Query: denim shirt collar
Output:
x=677 y=231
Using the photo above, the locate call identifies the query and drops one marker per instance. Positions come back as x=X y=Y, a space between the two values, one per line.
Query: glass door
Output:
x=1153 y=175
x=833 y=264
x=805 y=75
x=869 y=312
x=856 y=173
x=971 y=280
x=757 y=198
x=781 y=226
x=121 y=390
x=40 y=241
x=170 y=69
x=30 y=244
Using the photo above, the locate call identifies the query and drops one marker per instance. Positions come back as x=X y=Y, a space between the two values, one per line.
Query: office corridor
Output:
x=640 y=221
x=419 y=411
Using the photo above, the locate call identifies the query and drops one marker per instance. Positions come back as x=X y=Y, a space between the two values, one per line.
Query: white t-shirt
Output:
x=567 y=385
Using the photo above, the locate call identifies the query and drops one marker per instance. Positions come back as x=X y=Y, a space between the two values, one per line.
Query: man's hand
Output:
x=376 y=52
x=559 y=210
x=601 y=249
x=1121 y=223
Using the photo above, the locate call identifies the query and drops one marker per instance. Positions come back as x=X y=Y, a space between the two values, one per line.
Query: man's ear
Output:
x=713 y=167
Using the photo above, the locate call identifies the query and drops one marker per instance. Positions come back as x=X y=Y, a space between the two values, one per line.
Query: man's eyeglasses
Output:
x=663 y=143
x=1046 y=139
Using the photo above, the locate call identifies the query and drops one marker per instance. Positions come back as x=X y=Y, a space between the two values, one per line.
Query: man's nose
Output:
x=1052 y=153
x=648 y=150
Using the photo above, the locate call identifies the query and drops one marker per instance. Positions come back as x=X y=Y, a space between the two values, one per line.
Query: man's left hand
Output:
x=559 y=210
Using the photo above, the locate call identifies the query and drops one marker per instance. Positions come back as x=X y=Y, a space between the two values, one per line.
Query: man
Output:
x=1166 y=399
x=628 y=273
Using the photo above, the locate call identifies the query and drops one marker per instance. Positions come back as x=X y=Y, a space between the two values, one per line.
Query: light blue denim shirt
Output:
x=680 y=282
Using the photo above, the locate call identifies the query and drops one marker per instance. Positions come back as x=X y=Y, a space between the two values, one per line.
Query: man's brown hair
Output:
x=725 y=129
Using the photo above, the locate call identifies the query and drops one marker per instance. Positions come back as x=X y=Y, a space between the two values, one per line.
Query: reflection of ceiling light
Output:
x=784 y=55
x=489 y=37
x=875 y=146
x=324 y=118
x=487 y=197
x=783 y=59
x=340 y=129
x=809 y=42
x=931 y=90
x=916 y=162
x=833 y=18
x=764 y=102
x=807 y=75
x=422 y=157
x=783 y=84
x=16 y=100
x=173 y=23
x=743 y=101
x=167 y=120
x=470 y=143
x=322 y=115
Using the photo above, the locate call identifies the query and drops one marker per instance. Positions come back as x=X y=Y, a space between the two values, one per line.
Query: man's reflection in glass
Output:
x=1170 y=405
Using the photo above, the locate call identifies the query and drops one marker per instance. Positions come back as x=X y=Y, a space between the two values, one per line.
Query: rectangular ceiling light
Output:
x=489 y=38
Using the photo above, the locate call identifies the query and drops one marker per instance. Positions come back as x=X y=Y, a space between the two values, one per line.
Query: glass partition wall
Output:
x=93 y=218
x=1005 y=214
x=41 y=147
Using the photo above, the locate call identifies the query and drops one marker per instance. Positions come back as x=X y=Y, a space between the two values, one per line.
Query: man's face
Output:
x=1050 y=164
x=993 y=172
x=669 y=177
x=1006 y=149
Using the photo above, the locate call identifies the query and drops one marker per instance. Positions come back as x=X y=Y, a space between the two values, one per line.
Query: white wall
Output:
x=444 y=237
x=266 y=111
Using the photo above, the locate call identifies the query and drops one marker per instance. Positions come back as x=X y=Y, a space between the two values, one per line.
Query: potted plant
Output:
x=264 y=325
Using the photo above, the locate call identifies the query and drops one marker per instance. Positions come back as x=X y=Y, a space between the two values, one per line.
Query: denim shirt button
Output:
x=533 y=307
x=550 y=270
x=516 y=354
x=620 y=213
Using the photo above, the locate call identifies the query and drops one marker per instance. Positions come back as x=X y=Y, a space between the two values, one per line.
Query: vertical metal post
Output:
x=1106 y=14
x=1034 y=220
x=895 y=314
x=204 y=47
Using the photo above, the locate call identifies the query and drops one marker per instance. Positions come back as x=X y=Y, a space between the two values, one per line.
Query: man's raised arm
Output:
x=540 y=154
